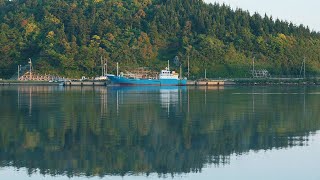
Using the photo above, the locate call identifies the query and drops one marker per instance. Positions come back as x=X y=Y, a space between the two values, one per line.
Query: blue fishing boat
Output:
x=165 y=78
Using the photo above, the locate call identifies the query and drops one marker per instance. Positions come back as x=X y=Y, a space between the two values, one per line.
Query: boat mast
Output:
x=168 y=66
x=117 y=69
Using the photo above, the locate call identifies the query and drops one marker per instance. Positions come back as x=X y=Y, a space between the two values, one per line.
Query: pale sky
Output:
x=306 y=12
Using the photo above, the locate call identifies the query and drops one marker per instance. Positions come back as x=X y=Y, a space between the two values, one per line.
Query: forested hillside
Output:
x=68 y=37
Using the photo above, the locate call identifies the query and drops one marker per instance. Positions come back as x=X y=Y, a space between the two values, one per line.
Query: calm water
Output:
x=159 y=133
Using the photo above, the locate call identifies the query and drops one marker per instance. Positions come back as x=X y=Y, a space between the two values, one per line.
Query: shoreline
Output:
x=278 y=81
x=202 y=82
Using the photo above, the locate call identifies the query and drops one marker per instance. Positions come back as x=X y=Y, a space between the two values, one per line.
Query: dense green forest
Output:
x=68 y=37
x=124 y=131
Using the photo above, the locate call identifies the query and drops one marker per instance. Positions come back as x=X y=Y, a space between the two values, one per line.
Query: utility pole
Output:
x=30 y=73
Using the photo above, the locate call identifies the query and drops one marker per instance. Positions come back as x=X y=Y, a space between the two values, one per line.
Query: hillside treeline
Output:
x=69 y=37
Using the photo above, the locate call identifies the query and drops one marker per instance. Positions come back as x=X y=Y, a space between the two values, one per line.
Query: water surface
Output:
x=159 y=132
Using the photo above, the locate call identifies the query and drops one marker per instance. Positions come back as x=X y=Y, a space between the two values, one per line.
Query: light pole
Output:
x=188 y=66
x=304 y=67
x=19 y=69
x=205 y=73
x=102 y=67
x=253 y=73
x=106 y=67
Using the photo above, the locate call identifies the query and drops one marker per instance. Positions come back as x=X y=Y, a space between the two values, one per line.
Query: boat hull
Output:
x=119 y=80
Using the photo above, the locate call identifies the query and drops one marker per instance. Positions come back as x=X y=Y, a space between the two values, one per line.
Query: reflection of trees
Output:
x=69 y=132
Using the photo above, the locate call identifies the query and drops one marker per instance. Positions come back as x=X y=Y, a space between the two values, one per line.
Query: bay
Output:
x=159 y=132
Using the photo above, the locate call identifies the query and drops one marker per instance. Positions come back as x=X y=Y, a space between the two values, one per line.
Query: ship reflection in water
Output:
x=123 y=131
x=168 y=95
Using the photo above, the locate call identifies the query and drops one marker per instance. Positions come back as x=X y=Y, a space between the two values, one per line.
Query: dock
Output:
x=189 y=83
x=105 y=83
x=27 y=83
x=201 y=82
x=85 y=83
x=45 y=83
x=210 y=83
